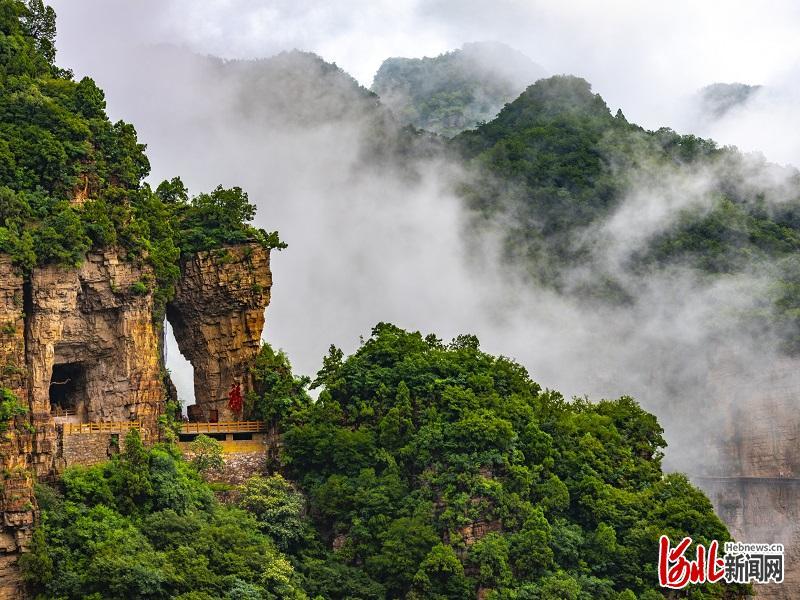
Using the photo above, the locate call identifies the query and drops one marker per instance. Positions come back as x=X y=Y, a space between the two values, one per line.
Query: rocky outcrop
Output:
x=762 y=510
x=91 y=332
x=12 y=328
x=16 y=528
x=217 y=316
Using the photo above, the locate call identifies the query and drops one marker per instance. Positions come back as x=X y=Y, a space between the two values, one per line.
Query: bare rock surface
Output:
x=218 y=316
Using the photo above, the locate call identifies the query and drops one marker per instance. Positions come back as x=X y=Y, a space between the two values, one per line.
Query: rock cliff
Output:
x=17 y=506
x=755 y=481
x=82 y=346
x=217 y=317
x=92 y=343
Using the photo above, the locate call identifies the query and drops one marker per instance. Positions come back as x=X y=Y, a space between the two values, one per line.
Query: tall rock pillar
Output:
x=217 y=316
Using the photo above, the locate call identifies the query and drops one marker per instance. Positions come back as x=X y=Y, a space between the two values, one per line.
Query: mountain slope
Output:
x=719 y=98
x=567 y=170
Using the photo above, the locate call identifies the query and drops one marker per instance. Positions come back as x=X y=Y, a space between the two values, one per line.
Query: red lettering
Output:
x=716 y=566
x=697 y=568
x=675 y=571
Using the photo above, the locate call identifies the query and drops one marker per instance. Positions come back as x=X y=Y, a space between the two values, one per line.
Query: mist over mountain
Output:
x=454 y=91
x=718 y=98
x=576 y=166
x=547 y=231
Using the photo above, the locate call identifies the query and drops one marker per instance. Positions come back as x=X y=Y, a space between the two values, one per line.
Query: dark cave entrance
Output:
x=68 y=389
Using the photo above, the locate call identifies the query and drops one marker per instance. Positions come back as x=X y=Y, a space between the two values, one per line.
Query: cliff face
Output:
x=92 y=343
x=217 y=317
x=16 y=502
x=755 y=487
x=81 y=346
x=77 y=345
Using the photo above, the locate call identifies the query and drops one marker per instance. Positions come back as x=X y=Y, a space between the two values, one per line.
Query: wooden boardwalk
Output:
x=102 y=427
x=225 y=427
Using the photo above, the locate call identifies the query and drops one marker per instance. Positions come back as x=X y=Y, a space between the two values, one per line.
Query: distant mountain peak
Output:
x=456 y=90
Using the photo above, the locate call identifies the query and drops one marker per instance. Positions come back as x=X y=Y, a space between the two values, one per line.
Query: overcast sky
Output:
x=642 y=56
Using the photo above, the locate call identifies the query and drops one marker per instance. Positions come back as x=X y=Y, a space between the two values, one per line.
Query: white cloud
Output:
x=640 y=55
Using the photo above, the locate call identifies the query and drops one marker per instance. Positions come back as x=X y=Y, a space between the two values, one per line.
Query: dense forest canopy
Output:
x=423 y=470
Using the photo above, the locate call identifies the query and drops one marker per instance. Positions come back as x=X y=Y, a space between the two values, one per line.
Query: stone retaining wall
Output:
x=89 y=449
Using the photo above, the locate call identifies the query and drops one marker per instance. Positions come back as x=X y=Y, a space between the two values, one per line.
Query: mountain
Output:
x=293 y=88
x=691 y=246
x=719 y=98
x=292 y=94
x=457 y=90
x=564 y=167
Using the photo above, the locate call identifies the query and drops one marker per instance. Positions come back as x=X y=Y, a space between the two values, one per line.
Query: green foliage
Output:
x=440 y=576
x=214 y=219
x=278 y=392
x=414 y=444
x=10 y=407
x=278 y=506
x=557 y=143
x=145 y=526
x=206 y=454
x=139 y=288
x=170 y=423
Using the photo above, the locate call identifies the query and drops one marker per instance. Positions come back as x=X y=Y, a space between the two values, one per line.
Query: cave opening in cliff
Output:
x=68 y=389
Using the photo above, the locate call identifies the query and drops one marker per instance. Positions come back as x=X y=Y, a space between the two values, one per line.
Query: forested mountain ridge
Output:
x=291 y=93
x=297 y=87
x=562 y=166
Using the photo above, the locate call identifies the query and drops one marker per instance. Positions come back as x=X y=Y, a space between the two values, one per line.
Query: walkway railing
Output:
x=225 y=427
x=57 y=411
x=105 y=427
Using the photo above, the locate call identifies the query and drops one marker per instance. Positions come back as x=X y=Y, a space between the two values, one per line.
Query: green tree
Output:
x=10 y=407
x=277 y=505
x=277 y=393
x=207 y=454
x=415 y=449
x=440 y=576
